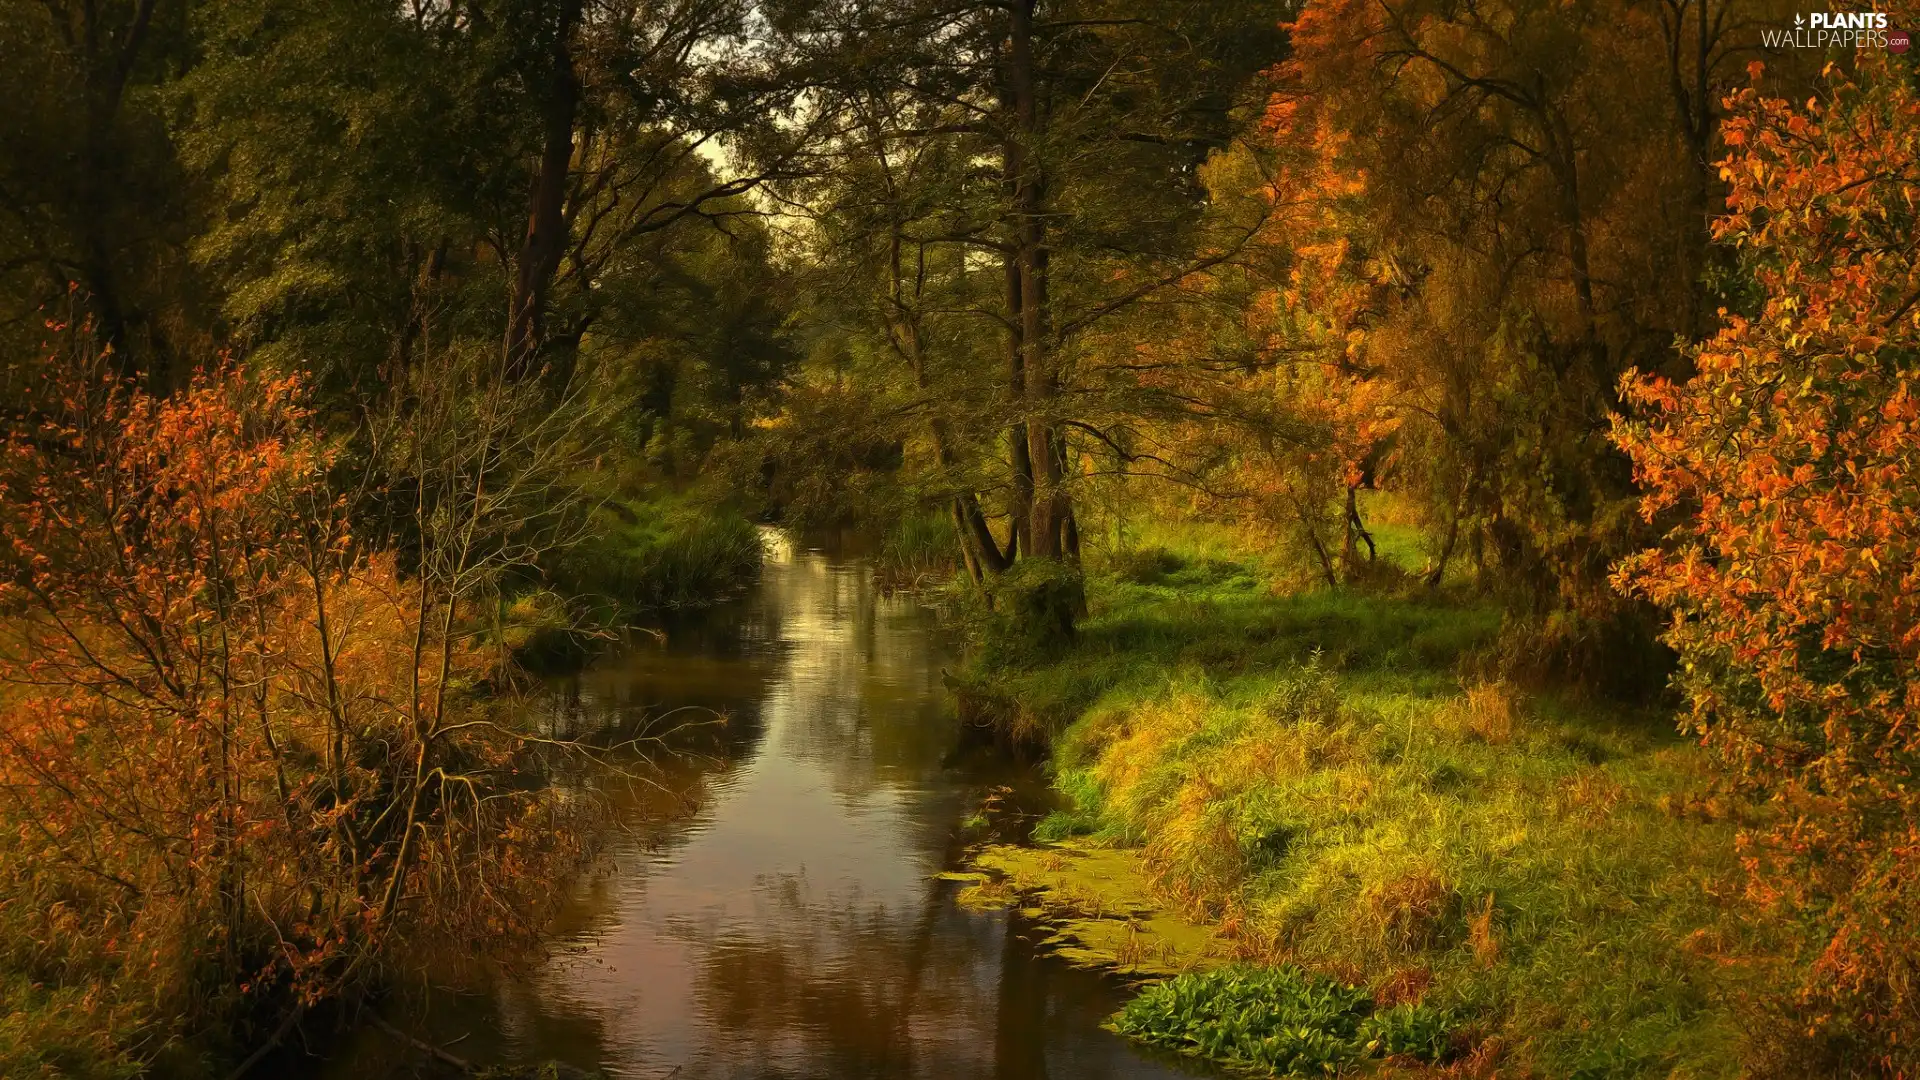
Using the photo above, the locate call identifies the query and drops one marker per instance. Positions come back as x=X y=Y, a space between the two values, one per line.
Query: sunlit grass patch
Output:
x=1529 y=879
x=1216 y=621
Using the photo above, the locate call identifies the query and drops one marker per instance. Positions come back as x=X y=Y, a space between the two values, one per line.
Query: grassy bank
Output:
x=663 y=553
x=1314 y=779
x=639 y=558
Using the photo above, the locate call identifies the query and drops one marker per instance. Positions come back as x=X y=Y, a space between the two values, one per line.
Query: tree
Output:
x=1786 y=470
x=1014 y=177
x=1488 y=213
x=90 y=191
x=458 y=155
x=241 y=741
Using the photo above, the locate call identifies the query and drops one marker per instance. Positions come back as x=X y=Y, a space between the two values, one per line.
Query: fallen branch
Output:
x=437 y=1053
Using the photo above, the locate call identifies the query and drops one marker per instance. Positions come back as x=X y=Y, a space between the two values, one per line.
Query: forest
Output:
x=1418 y=497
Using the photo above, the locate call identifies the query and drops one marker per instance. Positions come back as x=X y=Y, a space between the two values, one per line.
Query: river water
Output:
x=771 y=909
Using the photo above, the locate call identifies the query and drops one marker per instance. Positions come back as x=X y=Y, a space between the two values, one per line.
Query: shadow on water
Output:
x=773 y=911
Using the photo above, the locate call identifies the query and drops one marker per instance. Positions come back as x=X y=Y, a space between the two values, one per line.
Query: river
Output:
x=770 y=906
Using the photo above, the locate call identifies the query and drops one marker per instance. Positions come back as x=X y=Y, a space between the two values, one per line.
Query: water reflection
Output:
x=791 y=925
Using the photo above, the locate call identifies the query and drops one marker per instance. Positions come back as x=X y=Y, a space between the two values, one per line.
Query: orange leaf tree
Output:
x=1789 y=464
x=1491 y=211
x=239 y=773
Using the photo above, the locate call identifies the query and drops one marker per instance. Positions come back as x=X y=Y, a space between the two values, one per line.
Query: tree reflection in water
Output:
x=773 y=910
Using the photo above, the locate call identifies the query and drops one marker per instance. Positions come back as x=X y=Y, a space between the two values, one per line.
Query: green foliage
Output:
x=917 y=549
x=827 y=460
x=92 y=192
x=343 y=148
x=664 y=554
x=1280 y=1020
x=1408 y=1030
x=1063 y=825
x=1037 y=604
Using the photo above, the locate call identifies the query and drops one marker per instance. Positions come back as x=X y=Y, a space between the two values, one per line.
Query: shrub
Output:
x=1787 y=467
x=1039 y=601
x=241 y=773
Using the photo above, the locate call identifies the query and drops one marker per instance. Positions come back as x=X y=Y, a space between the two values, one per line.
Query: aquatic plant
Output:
x=1281 y=1020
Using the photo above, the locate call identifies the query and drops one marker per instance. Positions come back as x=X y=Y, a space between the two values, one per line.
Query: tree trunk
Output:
x=1029 y=209
x=1439 y=571
x=977 y=542
x=1320 y=553
x=1020 y=508
x=968 y=552
x=546 y=236
x=1356 y=534
x=978 y=547
x=108 y=65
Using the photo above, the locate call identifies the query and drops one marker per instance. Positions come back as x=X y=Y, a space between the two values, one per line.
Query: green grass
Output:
x=917 y=550
x=1156 y=614
x=1316 y=774
x=663 y=553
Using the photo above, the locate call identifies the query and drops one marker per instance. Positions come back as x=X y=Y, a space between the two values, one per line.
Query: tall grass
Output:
x=664 y=554
x=917 y=550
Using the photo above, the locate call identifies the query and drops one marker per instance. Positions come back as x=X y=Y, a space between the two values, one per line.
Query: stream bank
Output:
x=1325 y=783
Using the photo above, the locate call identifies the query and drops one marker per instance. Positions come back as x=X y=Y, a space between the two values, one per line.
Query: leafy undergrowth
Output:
x=1316 y=778
x=1281 y=1020
x=669 y=552
x=916 y=552
x=666 y=552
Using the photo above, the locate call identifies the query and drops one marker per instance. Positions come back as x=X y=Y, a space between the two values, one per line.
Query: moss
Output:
x=1097 y=903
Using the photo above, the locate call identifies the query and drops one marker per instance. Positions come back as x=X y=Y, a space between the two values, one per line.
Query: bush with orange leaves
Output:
x=1789 y=467
x=238 y=772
